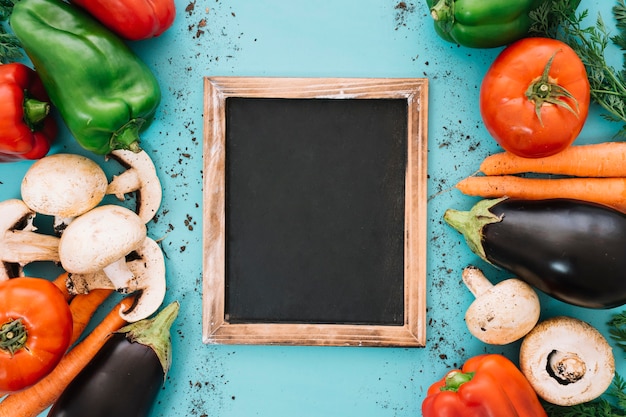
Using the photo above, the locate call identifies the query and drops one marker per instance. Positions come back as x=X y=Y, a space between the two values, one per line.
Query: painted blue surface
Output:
x=324 y=38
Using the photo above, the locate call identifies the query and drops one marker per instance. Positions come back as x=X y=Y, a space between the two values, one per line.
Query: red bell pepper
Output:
x=132 y=19
x=26 y=128
x=488 y=385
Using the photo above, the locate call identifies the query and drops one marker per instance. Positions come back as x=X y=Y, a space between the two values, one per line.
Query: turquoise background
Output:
x=324 y=38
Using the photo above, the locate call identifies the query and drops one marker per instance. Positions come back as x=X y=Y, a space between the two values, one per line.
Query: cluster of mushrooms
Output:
x=566 y=360
x=100 y=245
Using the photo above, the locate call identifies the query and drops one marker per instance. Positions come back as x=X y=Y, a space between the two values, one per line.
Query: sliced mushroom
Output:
x=84 y=283
x=63 y=186
x=140 y=177
x=100 y=240
x=19 y=244
x=148 y=267
x=567 y=361
x=501 y=313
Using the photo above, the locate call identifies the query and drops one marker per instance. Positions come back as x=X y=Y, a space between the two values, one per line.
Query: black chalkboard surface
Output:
x=314 y=211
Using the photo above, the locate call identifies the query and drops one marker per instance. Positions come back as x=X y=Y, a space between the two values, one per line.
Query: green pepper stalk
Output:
x=482 y=23
x=104 y=93
x=455 y=379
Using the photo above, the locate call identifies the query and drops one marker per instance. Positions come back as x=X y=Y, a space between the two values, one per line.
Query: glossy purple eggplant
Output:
x=571 y=250
x=125 y=376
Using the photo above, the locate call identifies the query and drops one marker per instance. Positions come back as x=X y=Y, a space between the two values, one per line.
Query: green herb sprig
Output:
x=10 y=47
x=559 y=19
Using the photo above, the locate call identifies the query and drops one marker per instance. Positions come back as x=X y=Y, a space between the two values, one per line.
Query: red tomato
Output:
x=534 y=98
x=36 y=329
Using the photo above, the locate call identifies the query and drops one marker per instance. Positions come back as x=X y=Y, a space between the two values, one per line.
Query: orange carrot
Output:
x=597 y=160
x=83 y=307
x=35 y=399
x=607 y=191
x=60 y=282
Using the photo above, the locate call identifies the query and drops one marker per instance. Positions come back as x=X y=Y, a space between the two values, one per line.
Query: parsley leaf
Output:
x=10 y=47
x=559 y=19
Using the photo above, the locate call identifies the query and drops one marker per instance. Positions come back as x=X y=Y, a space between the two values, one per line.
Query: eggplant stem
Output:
x=470 y=223
x=155 y=333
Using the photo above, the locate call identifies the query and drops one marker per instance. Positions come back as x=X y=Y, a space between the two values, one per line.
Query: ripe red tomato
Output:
x=534 y=98
x=35 y=331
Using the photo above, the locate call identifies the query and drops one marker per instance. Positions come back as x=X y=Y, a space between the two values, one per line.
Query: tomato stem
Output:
x=13 y=336
x=542 y=91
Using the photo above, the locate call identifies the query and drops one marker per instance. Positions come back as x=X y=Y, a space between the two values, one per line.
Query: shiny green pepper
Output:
x=104 y=93
x=482 y=23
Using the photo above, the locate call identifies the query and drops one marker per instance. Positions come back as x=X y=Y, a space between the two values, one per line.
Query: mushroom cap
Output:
x=141 y=178
x=100 y=237
x=567 y=361
x=504 y=313
x=63 y=185
x=150 y=280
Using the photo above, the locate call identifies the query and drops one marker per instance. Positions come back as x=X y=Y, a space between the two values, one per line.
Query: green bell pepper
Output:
x=482 y=23
x=104 y=93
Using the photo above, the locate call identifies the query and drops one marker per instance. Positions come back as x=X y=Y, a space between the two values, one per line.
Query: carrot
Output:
x=35 y=399
x=606 y=159
x=60 y=282
x=83 y=307
x=607 y=191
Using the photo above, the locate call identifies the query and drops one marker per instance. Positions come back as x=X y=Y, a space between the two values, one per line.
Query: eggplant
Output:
x=124 y=378
x=571 y=250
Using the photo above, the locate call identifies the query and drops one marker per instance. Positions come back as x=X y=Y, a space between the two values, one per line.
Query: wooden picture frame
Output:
x=217 y=329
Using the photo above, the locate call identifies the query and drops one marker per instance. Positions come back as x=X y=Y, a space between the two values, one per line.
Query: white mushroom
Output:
x=567 y=361
x=19 y=244
x=501 y=313
x=148 y=267
x=100 y=240
x=63 y=186
x=140 y=177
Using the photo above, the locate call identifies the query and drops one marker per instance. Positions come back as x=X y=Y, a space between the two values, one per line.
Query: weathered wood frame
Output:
x=216 y=329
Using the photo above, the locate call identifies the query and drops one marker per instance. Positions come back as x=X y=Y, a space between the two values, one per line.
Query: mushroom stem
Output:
x=84 y=283
x=565 y=367
x=119 y=274
x=476 y=281
x=19 y=244
x=60 y=224
x=126 y=182
x=23 y=246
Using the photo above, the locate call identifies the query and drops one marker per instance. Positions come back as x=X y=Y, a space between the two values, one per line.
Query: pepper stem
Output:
x=455 y=379
x=13 y=336
x=542 y=90
x=127 y=136
x=155 y=333
x=35 y=111
x=443 y=12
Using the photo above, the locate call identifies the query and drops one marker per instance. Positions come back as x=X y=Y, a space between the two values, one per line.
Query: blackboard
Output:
x=314 y=211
